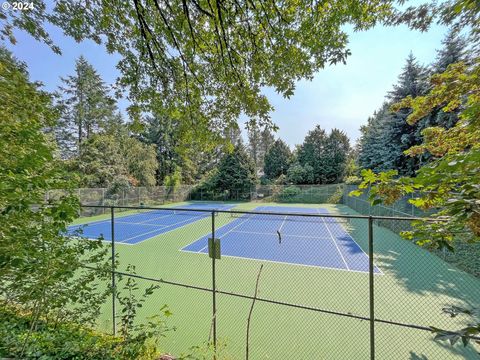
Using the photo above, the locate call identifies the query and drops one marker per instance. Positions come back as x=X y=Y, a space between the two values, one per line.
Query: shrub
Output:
x=62 y=340
x=353 y=180
x=289 y=193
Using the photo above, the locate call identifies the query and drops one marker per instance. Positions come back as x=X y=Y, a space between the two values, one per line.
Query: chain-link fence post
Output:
x=214 y=290
x=371 y=287
x=114 y=285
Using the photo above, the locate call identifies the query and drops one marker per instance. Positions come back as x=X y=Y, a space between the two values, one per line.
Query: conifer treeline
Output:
x=387 y=134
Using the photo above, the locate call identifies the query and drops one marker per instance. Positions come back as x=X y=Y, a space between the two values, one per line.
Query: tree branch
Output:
x=250 y=313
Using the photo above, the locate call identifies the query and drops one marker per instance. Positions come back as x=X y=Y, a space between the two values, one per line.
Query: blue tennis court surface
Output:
x=132 y=229
x=310 y=241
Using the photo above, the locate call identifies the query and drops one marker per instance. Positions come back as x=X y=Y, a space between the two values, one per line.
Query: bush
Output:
x=296 y=174
x=319 y=194
x=281 y=180
x=62 y=340
x=265 y=181
x=353 y=180
x=289 y=193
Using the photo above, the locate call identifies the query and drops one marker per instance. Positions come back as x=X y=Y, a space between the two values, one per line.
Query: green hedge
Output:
x=62 y=341
x=310 y=195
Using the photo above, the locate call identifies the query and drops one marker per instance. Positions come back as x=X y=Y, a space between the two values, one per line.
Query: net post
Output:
x=214 y=298
x=114 y=285
x=371 y=287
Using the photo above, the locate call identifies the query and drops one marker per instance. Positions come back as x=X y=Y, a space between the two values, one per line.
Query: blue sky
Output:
x=341 y=96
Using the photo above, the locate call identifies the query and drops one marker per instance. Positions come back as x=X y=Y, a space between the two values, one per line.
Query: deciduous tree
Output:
x=42 y=270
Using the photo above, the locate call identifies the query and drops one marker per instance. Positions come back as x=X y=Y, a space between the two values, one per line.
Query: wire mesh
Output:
x=417 y=287
x=313 y=297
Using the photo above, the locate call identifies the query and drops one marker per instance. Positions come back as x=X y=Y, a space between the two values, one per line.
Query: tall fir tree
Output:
x=162 y=132
x=453 y=51
x=259 y=142
x=398 y=135
x=373 y=142
x=277 y=159
x=86 y=107
x=311 y=153
x=387 y=135
x=337 y=151
x=322 y=157
x=235 y=173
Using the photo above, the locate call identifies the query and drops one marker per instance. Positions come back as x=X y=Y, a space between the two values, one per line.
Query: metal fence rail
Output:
x=332 y=286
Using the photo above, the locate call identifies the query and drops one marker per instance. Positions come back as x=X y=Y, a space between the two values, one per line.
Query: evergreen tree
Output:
x=254 y=144
x=236 y=173
x=86 y=107
x=452 y=51
x=387 y=134
x=311 y=153
x=277 y=160
x=259 y=142
x=115 y=159
x=399 y=136
x=412 y=81
x=323 y=157
x=296 y=174
x=373 y=142
x=337 y=151
x=162 y=132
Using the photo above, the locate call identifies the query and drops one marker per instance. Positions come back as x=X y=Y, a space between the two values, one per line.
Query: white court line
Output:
x=123 y=242
x=229 y=231
x=140 y=223
x=284 y=263
x=166 y=226
x=283 y=223
x=358 y=245
x=336 y=245
x=103 y=240
x=118 y=216
x=155 y=218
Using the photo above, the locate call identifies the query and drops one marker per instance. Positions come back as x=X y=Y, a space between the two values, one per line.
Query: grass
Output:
x=416 y=285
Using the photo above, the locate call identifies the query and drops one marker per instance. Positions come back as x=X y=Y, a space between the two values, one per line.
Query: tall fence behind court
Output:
x=384 y=310
x=308 y=194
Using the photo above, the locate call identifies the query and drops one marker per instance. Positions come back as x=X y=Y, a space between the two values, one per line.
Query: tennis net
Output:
x=291 y=217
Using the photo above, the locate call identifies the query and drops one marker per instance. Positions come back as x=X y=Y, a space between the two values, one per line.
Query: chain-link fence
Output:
x=302 y=194
x=283 y=282
x=466 y=256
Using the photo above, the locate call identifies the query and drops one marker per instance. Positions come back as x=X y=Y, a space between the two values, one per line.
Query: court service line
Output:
x=166 y=226
x=336 y=245
x=228 y=232
x=139 y=223
x=284 y=262
x=155 y=218
x=118 y=215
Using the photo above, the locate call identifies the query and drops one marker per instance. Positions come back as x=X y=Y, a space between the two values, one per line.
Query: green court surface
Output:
x=413 y=288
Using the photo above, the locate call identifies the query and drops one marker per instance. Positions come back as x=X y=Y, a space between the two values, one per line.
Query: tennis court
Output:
x=317 y=263
x=145 y=224
x=292 y=239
